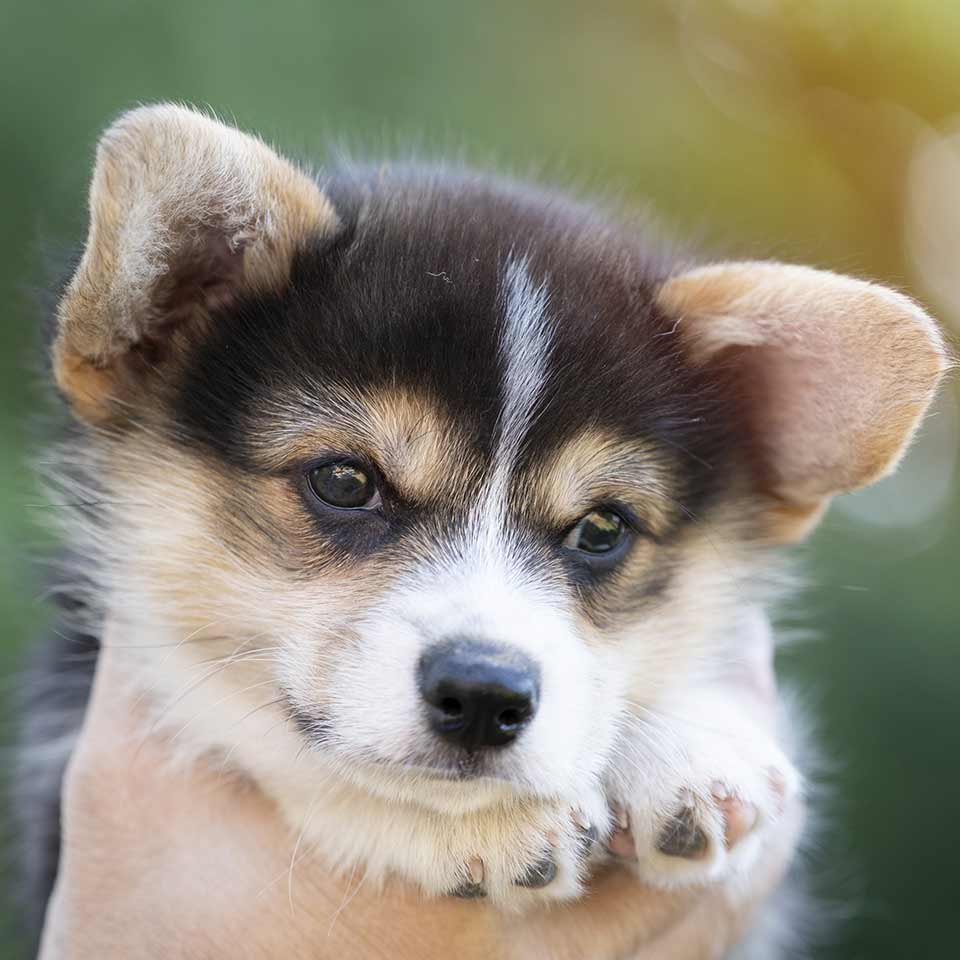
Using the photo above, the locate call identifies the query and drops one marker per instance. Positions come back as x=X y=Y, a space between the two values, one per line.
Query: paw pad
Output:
x=469 y=891
x=683 y=837
x=539 y=874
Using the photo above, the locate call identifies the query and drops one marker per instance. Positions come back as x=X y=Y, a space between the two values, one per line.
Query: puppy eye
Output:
x=600 y=531
x=345 y=485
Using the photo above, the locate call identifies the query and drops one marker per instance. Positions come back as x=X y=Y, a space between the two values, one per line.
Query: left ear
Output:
x=835 y=375
x=186 y=216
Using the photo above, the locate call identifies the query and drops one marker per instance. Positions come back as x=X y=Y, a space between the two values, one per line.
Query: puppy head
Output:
x=455 y=473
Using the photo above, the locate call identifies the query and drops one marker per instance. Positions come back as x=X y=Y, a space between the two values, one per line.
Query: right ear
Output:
x=834 y=375
x=186 y=214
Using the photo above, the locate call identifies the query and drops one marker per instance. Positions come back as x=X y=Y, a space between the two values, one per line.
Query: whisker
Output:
x=246 y=716
x=217 y=703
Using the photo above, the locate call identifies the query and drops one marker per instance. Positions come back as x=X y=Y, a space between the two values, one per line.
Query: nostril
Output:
x=509 y=719
x=451 y=707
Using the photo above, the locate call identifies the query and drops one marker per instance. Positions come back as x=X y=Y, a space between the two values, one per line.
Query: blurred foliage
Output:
x=809 y=130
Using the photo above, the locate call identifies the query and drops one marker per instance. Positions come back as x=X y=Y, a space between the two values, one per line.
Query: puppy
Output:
x=441 y=506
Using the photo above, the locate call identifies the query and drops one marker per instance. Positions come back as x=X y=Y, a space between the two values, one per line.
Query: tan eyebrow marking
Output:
x=419 y=447
x=597 y=465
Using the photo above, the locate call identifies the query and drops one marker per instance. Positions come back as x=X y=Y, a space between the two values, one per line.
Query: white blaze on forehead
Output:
x=524 y=348
x=479 y=585
x=524 y=351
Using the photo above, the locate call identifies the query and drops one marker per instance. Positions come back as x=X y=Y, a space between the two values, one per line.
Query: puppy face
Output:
x=395 y=480
x=453 y=478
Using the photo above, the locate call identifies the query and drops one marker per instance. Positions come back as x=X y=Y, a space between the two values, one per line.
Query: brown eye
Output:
x=345 y=485
x=600 y=531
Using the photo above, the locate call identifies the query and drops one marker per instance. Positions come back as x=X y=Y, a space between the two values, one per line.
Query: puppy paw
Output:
x=541 y=856
x=707 y=820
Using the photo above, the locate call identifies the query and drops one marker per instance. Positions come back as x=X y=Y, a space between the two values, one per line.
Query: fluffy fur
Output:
x=505 y=360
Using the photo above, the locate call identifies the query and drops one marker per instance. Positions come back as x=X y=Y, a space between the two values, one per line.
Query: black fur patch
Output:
x=409 y=294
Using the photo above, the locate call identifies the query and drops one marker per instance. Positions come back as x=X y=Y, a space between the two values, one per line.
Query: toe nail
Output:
x=539 y=874
x=720 y=790
x=621 y=844
x=739 y=818
x=683 y=837
x=580 y=819
x=620 y=817
x=475 y=870
x=588 y=837
x=472 y=888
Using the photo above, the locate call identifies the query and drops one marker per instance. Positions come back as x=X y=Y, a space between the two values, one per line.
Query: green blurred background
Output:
x=819 y=131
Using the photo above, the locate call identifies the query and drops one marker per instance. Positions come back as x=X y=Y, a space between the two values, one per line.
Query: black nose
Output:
x=477 y=694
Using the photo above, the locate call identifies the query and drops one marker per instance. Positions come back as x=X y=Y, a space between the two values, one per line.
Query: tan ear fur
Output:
x=181 y=206
x=837 y=373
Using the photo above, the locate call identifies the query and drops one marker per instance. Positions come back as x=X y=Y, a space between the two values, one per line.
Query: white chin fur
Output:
x=377 y=711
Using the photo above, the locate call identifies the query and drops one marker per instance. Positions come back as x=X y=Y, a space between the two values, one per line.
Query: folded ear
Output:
x=185 y=215
x=834 y=374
